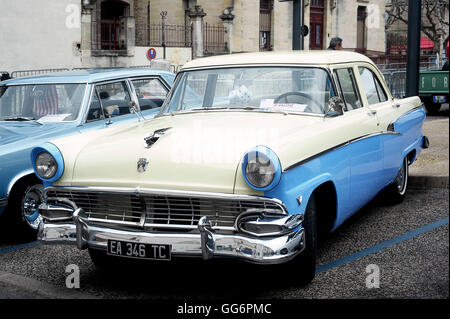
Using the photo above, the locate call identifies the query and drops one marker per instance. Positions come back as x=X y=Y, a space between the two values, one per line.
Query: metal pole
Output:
x=163 y=30
x=412 y=70
x=298 y=21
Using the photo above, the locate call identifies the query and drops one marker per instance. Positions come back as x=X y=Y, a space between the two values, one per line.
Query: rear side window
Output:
x=115 y=98
x=347 y=86
x=151 y=93
x=372 y=87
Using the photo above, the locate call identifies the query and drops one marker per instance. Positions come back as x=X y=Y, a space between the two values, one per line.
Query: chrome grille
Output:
x=155 y=211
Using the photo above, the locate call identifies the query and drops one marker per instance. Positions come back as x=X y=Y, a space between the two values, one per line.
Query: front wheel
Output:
x=302 y=269
x=22 y=210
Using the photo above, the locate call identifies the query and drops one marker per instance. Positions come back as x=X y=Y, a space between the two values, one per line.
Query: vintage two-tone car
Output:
x=38 y=108
x=251 y=156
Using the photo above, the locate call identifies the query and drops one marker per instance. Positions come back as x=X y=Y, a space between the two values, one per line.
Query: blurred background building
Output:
x=48 y=34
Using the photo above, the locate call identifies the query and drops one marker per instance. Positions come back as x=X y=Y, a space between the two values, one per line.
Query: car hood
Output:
x=21 y=134
x=198 y=152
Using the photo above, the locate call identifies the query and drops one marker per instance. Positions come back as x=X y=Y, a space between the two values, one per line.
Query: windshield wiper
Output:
x=22 y=119
x=208 y=108
x=225 y=108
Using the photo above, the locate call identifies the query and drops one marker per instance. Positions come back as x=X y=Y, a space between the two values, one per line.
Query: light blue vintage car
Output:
x=40 y=108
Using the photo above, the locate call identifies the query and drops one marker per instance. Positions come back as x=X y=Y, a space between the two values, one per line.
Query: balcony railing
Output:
x=214 y=39
x=108 y=35
x=169 y=35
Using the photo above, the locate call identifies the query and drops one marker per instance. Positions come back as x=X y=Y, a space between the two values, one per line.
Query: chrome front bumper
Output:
x=206 y=242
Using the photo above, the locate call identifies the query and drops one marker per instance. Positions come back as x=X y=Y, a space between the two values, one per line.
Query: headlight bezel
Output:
x=54 y=152
x=262 y=154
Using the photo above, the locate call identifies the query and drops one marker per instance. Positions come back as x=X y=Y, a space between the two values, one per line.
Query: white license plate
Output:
x=439 y=99
x=138 y=250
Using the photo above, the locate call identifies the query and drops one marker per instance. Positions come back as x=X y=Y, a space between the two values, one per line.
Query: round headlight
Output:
x=46 y=165
x=260 y=171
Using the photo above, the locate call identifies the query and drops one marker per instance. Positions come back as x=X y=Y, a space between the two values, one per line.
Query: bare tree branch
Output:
x=434 y=18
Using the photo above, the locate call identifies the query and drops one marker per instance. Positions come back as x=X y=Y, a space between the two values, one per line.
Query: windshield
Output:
x=42 y=102
x=285 y=89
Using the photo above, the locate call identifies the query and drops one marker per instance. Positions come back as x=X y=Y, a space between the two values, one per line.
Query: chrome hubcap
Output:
x=30 y=205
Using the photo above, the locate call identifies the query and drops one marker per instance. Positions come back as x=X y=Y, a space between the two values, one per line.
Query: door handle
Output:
x=397 y=105
x=372 y=112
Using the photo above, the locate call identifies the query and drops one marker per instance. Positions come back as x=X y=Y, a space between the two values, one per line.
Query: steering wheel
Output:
x=309 y=97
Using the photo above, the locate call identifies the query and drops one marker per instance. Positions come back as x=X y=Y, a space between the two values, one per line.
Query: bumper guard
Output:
x=206 y=243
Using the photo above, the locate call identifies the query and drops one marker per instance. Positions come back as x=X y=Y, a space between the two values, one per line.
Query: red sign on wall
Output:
x=151 y=54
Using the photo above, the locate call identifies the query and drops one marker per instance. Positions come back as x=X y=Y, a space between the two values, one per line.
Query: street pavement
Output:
x=432 y=166
x=408 y=243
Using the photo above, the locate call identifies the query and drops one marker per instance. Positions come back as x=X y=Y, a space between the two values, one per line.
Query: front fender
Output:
x=295 y=196
x=6 y=188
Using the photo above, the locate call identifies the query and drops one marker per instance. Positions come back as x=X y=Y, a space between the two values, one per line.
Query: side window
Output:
x=115 y=98
x=381 y=93
x=347 y=85
x=151 y=93
x=373 y=89
x=95 y=112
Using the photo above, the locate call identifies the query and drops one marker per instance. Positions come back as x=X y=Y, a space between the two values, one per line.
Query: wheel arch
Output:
x=411 y=156
x=326 y=210
x=19 y=178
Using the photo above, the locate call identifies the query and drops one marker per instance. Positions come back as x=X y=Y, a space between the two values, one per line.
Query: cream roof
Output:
x=280 y=57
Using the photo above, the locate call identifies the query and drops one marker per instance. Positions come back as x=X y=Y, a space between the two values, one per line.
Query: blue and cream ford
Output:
x=250 y=157
x=39 y=108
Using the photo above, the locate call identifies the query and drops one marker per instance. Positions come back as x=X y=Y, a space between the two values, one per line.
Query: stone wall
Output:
x=246 y=26
x=176 y=56
x=282 y=25
x=39 y=34
x=214 y=9
x=342 y=22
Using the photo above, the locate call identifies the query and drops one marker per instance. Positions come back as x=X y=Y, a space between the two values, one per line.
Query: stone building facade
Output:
x=257 y=22
x=101 y=33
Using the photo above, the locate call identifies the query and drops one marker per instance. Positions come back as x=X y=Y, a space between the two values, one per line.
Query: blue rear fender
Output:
x=410 y=126
x=409 y=142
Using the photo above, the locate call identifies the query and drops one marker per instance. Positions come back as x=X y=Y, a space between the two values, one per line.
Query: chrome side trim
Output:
x=357 y=139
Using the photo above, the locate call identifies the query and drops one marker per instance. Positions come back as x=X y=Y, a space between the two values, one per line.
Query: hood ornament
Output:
x=154 y=136
x=142 y=164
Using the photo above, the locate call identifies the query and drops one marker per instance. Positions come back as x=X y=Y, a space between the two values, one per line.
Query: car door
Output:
x=109 y=105
x=364 y=146
x=381 y=102
x=150 y=93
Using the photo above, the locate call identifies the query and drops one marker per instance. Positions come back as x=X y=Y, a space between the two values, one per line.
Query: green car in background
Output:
x=433 y=89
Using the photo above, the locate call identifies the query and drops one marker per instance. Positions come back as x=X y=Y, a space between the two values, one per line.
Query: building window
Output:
x=109 y=25
x=265 y=25
x=361 y=28
x=316 y=24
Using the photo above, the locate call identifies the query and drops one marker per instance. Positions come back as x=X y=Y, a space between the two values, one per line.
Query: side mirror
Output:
x=133 y=107
x=335 y=107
